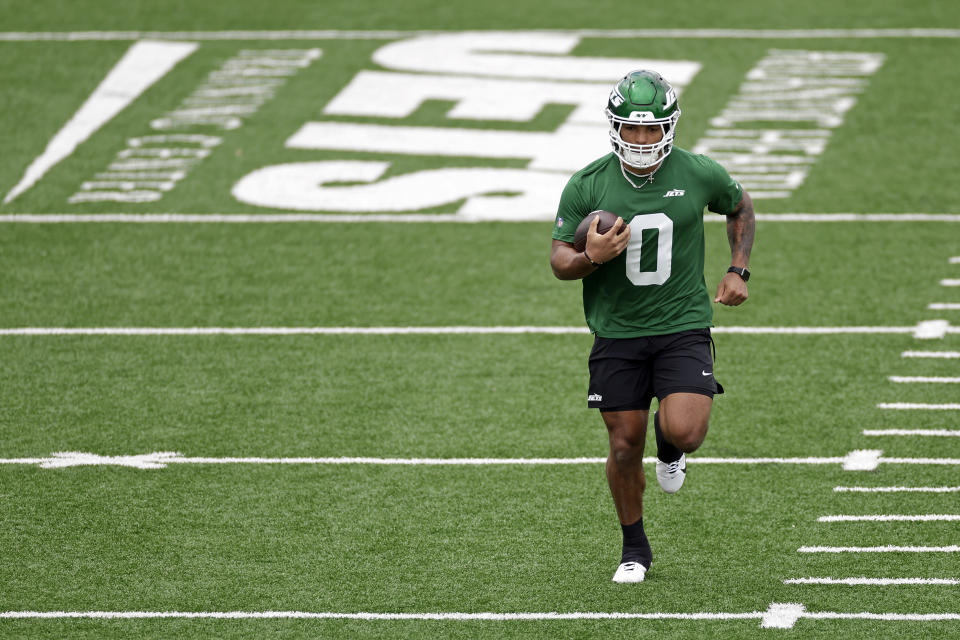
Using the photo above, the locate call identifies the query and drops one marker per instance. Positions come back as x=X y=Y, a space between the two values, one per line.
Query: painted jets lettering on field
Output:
x=506 y=77
x=768 y=136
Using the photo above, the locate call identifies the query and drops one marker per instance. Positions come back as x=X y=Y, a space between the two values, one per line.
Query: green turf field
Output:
x=237 y=485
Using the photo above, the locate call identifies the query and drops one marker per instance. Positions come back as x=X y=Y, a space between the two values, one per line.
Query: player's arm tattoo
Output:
x=740 y=230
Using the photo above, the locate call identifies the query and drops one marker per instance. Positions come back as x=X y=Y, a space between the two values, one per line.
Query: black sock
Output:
x=636 y=547
x=665 y=451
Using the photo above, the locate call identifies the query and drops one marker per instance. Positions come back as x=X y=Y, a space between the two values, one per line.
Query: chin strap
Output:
x=626 y=175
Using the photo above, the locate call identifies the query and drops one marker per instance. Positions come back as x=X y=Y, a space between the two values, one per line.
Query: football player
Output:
x=644 y=294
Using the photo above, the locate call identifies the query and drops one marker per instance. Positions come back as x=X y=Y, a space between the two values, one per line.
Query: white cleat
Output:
x=630 y=572
x=671 y=475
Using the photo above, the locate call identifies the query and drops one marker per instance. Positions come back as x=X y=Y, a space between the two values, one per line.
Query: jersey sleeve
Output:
x=571 y=211
x=725 y=192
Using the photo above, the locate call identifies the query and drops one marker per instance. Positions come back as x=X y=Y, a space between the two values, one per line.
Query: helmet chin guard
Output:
x=643 y=98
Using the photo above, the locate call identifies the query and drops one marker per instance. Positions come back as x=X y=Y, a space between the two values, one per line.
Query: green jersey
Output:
x=656 y=285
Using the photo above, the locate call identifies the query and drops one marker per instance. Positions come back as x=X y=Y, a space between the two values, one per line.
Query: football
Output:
x=607 y=220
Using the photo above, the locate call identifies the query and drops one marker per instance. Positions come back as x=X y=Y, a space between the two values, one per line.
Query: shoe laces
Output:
x=674 y=467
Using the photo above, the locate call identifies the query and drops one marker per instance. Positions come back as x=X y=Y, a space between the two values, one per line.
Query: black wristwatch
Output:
x=740 y=271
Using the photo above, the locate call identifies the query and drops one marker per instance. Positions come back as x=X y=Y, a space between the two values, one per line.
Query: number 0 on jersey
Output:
x=664 y=226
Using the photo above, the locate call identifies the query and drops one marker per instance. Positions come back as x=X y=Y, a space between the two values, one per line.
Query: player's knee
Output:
x=689 y=440
x=626 y=451
x=686 y=434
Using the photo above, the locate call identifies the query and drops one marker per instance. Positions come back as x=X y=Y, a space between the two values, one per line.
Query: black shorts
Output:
x=626 y=373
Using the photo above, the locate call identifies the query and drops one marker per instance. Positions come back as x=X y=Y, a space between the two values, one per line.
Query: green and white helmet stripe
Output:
x=643 y=97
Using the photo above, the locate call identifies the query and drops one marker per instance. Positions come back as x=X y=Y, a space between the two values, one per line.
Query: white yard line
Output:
x=884 y=549
x=337 y=34
x=912 y=432
x=225 y=218
x=926 y=517
x=333 y=615
x=283 y=331
x=816 y=330
x=457 y=330
x=950 y=282
x=922 y=461
x=874 y=581
x=777 y=615
x=861 y=460
x=919 y=406
x=931 y=354
x=274 y=218
x=944 y=306
x=924 y=379
x=897 y=489
x=889 y=617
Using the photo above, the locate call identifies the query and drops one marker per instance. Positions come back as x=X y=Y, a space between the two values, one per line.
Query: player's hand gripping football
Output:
x=607 y=246
x=731 y=291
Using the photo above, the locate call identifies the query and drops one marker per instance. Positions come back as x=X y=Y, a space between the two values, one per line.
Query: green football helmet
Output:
x=643 y=97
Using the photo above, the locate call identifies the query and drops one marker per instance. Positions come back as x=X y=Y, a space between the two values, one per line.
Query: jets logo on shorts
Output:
x=594 y=397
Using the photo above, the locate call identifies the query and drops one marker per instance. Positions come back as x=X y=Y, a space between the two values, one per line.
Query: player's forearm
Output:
x=569 y=264
x=740 y=231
